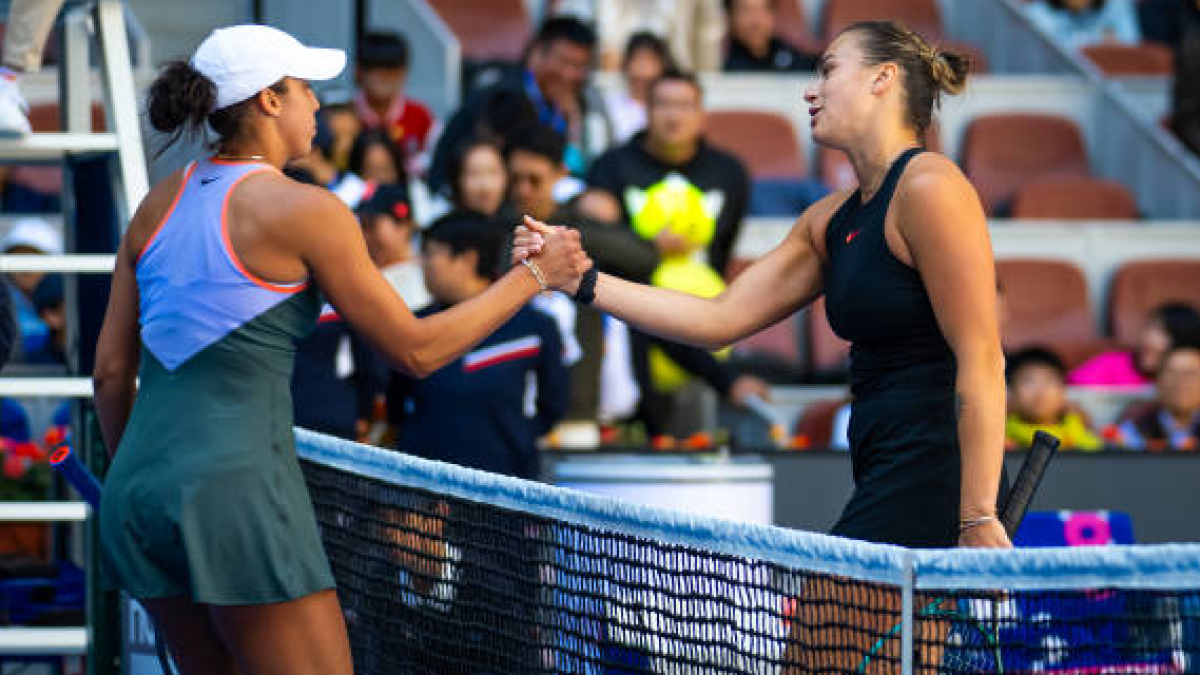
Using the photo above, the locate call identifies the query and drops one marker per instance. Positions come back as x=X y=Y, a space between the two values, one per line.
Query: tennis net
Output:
x=442 y=569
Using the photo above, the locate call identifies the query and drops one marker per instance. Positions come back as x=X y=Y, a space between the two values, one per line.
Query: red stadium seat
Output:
x=1148 y=58
x=1140 y=287
x=827 y=353
x=494 y=29
x=816 y=422
x=792 y=26
x=778 y=344
x=921 y=16
x=765 y=142
x=1001 y=153
x=1047 y=303
x=1073 y=198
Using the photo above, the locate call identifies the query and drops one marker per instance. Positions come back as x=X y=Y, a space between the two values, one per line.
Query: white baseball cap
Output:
x=244 y=60
x=34 y=233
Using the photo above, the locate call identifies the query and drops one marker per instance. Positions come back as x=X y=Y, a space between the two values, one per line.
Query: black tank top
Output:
x=878 y=303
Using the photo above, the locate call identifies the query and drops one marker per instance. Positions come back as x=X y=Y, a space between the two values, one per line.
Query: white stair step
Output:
x=43 y=640
x=54 y=146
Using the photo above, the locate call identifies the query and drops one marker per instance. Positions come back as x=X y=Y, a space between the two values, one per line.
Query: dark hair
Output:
x=368 y=139
x=463 y=231
x=927 y=70
x=647 y=41
x=566 y=28
x=1061 y=6
x=541 y=141
x=381 y=49
x=1033 y=356
x=675 y=75
x=729 y=5
x=181 y=100
x=1180 y=321
x=507 y=114
x=458 y=162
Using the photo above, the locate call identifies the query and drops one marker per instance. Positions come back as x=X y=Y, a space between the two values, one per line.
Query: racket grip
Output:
x=67 y=463
x=1027 y=481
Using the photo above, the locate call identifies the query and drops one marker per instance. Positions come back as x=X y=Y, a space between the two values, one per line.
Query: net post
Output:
x=907 y=615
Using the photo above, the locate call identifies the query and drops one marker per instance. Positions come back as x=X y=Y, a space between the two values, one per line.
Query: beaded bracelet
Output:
x=536 y=271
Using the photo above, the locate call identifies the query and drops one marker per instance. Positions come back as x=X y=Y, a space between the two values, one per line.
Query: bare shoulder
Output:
x=933 y=175
x=813 y=223
x=154 y=207
x=288 y=207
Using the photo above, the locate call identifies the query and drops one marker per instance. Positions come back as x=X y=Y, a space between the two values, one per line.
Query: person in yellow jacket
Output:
x=1037 y=400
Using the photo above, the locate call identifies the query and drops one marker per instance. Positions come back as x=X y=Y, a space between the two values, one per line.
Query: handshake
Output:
x=554 y=255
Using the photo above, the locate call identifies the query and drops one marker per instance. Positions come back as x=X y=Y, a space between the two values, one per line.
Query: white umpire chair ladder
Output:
x=101 y=23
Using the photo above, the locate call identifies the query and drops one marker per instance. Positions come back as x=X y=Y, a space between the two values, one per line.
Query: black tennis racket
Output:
x=972 y=643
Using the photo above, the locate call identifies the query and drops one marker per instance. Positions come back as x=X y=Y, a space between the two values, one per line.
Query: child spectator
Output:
x=487 y=409
x=1173 y=421
x=1170 y=324
x=381 y=72
x=646 y=57
x=478 y=179
x=375 y=159
x=1037 y=401
x=1080 y=23
x=388 y=227
x=30 y=236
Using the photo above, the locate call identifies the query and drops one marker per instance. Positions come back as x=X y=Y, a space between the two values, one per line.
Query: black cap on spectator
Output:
x=382 y=50
x=391 y=199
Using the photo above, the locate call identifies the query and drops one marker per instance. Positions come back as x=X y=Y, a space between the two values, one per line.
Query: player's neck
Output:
x=872 y=161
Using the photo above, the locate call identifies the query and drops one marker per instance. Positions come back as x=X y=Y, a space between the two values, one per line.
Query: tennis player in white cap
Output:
x=205 y=517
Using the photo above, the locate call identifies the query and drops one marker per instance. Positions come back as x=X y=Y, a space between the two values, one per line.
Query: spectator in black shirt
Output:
x=624 y=182
x=753 y=44
x=1185 y=113
x=1168 y=21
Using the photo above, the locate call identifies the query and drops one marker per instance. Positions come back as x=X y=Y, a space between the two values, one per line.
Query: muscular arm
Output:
x=772 y=288
x=945 y=230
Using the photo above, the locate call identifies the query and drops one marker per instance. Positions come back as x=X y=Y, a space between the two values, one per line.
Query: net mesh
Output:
x=446 y=570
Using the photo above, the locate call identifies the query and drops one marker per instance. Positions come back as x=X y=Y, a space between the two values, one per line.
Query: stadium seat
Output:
x=792 y=25
x=1001 y=153
x=920 y=16
x=766 y=142
x=816 y=422
x=773 y=353
x=1048 y=306
x=491 y=30
x=1140 y=287
x=1148 y=58
x=1074 y=198
x=827 y=353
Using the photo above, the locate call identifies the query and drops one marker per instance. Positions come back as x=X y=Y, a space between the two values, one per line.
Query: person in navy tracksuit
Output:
x=487 y=409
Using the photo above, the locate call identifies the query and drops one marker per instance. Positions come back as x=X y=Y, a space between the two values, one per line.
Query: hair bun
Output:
x=180 y=97
x=949 y=70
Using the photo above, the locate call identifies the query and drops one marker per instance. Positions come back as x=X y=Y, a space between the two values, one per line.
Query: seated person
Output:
x=1173 y=421
x=1080 y=23
x=1037 y=401
x=1170 y=324
x=646 y=58
x=753 y=43
x=487 y=409
x=389 y=230
x=1168 y=21
x=380 y=73
x=1185 y=98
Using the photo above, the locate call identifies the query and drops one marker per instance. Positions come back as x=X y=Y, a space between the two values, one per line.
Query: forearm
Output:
x=668 y=314
x=443 y=337
x=980 y=408
x=114 y=396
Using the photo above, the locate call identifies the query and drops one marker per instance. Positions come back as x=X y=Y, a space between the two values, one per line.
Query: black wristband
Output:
x=586 y=292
